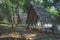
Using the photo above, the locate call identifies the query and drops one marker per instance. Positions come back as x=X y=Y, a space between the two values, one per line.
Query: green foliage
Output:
x=9 y=7
x=47 y=3
x=52 y=12
x=1 y=17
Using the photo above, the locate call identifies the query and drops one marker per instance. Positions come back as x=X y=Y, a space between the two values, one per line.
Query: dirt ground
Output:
x=25 y=34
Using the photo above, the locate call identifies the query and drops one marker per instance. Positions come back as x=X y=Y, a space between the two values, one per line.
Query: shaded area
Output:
x=22 y=33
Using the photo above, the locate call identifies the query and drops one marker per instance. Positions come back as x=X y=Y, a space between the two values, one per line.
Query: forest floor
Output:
x=25 y=34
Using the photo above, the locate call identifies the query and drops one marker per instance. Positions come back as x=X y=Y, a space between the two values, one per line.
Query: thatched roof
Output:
x=42 y=13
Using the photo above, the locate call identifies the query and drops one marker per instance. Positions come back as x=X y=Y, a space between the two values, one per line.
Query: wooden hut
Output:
x=17 y=19
x=37 y=12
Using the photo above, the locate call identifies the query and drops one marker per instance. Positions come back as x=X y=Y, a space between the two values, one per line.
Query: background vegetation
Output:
x=9 y=7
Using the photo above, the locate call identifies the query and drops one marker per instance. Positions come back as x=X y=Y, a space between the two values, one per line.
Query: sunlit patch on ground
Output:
x=30 y=36
x=23 y=33
x=12 y=35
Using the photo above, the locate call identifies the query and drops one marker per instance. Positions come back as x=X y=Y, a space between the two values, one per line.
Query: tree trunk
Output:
x=12 y=21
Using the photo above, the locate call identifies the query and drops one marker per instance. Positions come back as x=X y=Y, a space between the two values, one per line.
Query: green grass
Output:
x=5 y=25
